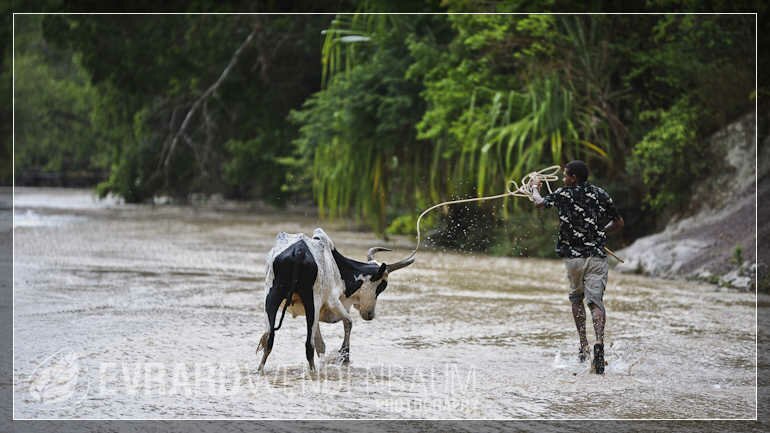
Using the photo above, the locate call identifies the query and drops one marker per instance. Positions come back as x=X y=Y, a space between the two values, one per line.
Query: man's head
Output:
x=575 y=173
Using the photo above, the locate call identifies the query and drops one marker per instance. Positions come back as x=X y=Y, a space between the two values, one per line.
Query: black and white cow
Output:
x=309 y=277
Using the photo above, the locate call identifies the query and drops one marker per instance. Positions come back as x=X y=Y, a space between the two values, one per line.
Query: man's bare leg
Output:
x=579 y=314
x=599 y=318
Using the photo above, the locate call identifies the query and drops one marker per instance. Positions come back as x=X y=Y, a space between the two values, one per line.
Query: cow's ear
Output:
x=380 y=272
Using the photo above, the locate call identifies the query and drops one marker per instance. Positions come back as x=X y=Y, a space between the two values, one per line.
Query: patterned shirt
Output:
x=584 y=211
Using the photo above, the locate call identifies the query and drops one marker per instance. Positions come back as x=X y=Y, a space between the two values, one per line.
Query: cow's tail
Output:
x=298 y=259
x=283 y=312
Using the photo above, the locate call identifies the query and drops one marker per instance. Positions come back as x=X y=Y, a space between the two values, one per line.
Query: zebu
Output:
x=309 y=277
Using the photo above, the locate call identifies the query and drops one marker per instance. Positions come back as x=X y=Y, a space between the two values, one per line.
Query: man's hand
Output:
x=614 y=225
x=535 y=189
x=535 y=183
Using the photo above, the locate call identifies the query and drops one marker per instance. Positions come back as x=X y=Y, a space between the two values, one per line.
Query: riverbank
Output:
x=716 y=240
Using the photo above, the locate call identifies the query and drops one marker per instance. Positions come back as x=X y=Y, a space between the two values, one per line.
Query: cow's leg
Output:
x=318 y=341
x=312 y=323
x=272 y=302
x=347 y=324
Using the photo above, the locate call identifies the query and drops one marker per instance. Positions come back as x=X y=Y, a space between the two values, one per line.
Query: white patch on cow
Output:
x=328 y=281
x=329 y=289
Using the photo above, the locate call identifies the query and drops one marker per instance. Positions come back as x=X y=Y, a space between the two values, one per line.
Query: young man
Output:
x=586 y=214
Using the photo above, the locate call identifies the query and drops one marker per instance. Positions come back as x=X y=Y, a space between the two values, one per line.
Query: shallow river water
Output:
x=154 y=312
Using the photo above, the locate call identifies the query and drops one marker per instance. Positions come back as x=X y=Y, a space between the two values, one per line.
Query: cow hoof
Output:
x=343 y=357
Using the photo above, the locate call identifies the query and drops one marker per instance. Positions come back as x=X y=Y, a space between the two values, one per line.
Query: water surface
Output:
x=155 y=311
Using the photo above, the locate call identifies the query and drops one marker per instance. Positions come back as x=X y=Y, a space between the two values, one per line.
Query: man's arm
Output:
x=616 y=221
x=539 y=201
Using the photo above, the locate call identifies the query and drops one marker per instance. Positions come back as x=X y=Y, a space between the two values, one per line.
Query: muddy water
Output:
x=154 y=312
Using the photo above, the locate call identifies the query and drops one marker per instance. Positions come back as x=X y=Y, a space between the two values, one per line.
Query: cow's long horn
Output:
x=372 y=251
x=401 y=264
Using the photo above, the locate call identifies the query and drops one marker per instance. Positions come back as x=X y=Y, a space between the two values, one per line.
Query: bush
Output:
x=669 y=157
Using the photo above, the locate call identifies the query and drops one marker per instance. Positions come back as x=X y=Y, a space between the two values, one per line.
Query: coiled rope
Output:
x=547 y=175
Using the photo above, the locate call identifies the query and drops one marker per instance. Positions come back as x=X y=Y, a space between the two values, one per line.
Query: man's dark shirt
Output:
x=584 y=211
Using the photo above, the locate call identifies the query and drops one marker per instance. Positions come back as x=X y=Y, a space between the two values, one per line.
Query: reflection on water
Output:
x=155 y=312
x=31 y=218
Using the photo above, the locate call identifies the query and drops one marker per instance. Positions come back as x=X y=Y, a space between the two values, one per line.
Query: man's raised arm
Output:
x=539 y=201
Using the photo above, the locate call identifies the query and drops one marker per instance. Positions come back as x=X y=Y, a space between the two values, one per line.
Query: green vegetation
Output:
x=376 y=117
x=738 y=255
x=668 y=156
x=56 y=107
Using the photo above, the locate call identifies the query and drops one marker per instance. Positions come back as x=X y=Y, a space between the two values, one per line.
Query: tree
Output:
x=173 y=131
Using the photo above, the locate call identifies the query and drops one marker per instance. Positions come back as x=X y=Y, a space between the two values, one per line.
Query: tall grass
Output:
x=564 y=114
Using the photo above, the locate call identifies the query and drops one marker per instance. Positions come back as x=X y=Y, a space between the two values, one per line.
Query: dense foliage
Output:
x=151 y=98
x=378 y=116
x=501 y=95
x=55 y=128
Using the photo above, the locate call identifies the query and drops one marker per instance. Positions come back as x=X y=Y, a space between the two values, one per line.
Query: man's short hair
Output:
x=579 y=169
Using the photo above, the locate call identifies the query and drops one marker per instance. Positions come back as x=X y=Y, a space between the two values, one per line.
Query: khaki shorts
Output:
x=587 y=278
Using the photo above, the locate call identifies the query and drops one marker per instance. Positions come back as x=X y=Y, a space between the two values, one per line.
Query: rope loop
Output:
x=512 y=188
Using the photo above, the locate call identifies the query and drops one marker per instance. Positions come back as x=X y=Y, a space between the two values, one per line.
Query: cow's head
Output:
x=373 y=281
x=364 y=281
